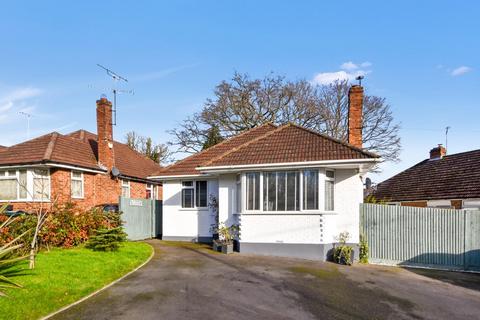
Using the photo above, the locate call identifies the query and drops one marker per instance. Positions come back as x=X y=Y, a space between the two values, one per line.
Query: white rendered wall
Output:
x=185 y=222
x=312 y=227
x=227 y=186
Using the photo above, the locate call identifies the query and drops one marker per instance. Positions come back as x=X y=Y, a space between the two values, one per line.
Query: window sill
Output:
x=24 y=200
x=194 y=209
x=287 y=213
x=78 y=198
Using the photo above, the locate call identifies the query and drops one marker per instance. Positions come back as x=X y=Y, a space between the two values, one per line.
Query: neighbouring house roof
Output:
x=79 y=149
x=455 y=176
x=268 y=144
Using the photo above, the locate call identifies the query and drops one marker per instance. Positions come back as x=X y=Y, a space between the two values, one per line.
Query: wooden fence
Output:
x=439 y=238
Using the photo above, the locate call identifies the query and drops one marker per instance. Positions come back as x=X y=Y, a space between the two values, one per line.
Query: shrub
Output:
x=107 y=239
x=342 y=253
x=363 y=250
x=8 y=259
x=66 y=226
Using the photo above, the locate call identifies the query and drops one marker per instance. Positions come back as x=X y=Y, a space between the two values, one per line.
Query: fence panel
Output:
x=139 y=217
x=442 y=238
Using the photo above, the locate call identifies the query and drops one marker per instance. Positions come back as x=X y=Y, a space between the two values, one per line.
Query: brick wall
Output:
x=98 y=189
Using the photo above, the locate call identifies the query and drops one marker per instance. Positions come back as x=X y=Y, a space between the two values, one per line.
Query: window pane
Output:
x=41 y=188
x=281 y=194
x=330 y=174
x=187 y=198
x=76 y=175
x=12 y=173
x=201 y=193
x=310 y=189
x=253 y=191
x=77 y=189
x=257 y=191
x=8 y=189
x=272 y=191
x=238 y=196
x=187 y=183
x=292 y=191
x=329 y=195
x=22 y=181
x=125 y=192
x=40 y=172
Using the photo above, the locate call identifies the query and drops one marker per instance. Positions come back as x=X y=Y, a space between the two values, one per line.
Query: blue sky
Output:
x=422 y=56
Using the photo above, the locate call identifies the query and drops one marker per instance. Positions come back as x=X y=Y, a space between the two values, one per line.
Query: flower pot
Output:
x=217 y=246
x=227 y=248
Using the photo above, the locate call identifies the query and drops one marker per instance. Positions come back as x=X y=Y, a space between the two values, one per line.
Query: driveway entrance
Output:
x=189 y=281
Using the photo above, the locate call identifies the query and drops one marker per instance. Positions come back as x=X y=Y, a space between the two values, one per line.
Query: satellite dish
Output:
x=115 y=172
x=368 y=183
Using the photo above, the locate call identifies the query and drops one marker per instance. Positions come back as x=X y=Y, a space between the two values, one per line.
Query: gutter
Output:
x=304 y=164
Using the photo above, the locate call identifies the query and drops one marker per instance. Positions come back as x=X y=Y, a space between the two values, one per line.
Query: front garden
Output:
x=75 y=253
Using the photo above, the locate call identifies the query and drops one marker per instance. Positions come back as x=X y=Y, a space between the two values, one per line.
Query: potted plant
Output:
x=226 y=235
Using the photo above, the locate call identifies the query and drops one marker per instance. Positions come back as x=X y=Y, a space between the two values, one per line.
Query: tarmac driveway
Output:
x=189 y=281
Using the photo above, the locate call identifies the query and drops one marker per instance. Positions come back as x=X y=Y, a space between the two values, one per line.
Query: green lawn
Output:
x=63 y=276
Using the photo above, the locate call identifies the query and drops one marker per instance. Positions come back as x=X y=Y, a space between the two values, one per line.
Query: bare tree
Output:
x=244 y=103
x=145 y=145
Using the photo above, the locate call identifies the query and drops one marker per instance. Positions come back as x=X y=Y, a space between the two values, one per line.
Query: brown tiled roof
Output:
x=78 y=149
x=128 y=161
x=456 y=176
x=269 y=144
x=2 y=148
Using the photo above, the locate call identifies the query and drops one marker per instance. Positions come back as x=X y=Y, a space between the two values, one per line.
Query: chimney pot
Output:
x=355 y=115
x=438 y=152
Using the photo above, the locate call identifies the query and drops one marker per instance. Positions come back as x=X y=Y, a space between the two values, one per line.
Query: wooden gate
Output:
x=142 y=218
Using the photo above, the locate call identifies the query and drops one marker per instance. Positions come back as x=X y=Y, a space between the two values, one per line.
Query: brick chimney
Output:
x=105 y=133
x=355 y=115
x=438 y=152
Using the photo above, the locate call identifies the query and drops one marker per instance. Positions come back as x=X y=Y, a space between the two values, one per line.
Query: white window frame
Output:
x=329 y=179
x=150 y=187
x=33 y=185
x=260 y=193
x=194 y=187
x=320 y=190
x=7 y=176
x=297 y=182
x=125 y=185
x=195 y=194
x=81 y=179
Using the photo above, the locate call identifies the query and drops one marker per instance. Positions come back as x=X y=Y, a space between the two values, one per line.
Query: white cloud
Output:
x=161 y=74
x=349 y=71
x=460 y=71
x=16 y=100
x=349 y=66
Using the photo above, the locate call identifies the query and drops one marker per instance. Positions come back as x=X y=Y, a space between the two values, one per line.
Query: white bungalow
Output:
x=291 y=190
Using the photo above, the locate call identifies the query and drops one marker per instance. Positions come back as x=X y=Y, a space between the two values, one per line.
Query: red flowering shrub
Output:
x=66 y=226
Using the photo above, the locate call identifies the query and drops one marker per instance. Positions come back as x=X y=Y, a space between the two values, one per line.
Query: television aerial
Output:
x=116 y=79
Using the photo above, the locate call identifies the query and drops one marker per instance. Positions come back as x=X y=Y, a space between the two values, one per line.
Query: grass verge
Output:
x=62 y=276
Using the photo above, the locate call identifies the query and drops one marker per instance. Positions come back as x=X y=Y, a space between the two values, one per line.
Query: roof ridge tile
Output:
x=51 y=145
x=220 y=144
x=247 y=143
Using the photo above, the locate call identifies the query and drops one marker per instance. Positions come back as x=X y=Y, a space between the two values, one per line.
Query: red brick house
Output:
x=80 y=167
x=441 y=181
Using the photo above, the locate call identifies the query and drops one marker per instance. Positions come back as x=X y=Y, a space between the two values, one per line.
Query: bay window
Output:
x=24 y=184
x=194 y=194
x=288 y=191
x=77 y=184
